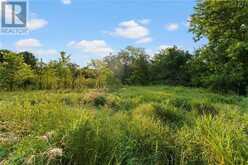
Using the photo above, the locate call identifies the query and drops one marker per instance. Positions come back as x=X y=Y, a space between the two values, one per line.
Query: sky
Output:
x=91 y=29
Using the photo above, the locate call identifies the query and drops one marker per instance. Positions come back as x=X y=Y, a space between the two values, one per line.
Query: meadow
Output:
x=130 y=125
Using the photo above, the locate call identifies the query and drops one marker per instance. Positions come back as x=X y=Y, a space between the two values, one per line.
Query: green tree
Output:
x=171 y=66
x=14 y=73
x=130 y=65
x=225 y=25
x=47 y=77
x=63 y=71
x=29 y=59
x=105 y=78
x=3 y=52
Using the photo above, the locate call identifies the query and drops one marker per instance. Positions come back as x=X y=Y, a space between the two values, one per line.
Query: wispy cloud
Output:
x=144 y=40
x=66 y=2
x=45 y=52
x=35 y=24
x=172 y=26
x=144 y=21
x=28 y=43
x=91 y=46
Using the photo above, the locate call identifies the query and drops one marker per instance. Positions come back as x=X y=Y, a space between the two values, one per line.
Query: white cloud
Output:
x=35 y=24
x=28 y=43
x=144 y=40
x=93 y=46
x=144 y=21
x=71 y=44
x=172 y=26
x=131 y=30
x=44 y=52
x=66 y=2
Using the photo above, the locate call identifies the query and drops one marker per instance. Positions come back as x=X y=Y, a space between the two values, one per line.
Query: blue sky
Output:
x=89 y=29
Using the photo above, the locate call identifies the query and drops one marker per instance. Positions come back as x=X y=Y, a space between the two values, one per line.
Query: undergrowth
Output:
x=133 y=125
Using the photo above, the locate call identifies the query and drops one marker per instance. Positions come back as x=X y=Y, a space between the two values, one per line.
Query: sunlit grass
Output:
x=133 y=125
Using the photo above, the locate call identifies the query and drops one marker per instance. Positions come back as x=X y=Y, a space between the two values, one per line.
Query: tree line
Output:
x=221 y=64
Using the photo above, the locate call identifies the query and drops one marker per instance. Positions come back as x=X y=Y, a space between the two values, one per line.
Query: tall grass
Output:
x=134 y=125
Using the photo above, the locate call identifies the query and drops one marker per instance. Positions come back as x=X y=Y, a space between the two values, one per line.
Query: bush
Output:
x=169 y=115
x=95 y=97
x=113 y=102
x=205 y=109
x=99 y=101
x=180 y=103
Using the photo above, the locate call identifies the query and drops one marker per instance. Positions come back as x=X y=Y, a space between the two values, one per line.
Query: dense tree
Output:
x=171 y=66
x=225 y=25
x=63 y=71
x=29 y=59
x=139 y=66
x=14 y=73
x=105 y=77
x=130 y=65
x=3 y=52
x=118 y=65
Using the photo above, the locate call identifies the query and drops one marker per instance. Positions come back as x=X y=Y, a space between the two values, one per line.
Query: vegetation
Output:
x=225 y=25
x=221 y=65
x=121 y=109
x=132 y=125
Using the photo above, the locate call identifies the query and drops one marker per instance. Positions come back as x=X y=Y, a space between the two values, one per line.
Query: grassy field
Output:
x=132 y=125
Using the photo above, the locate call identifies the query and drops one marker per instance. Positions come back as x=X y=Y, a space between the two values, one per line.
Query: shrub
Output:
x=95 y=97
x=169 y=114
x=99 y=101
x=113 y=102
x=144 y=110
x=127 y=104
x=205 y=109
x=180 y=103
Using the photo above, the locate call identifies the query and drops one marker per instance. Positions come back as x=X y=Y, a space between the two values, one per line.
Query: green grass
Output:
x=132 y=125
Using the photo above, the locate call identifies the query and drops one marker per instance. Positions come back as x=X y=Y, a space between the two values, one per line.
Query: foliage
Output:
x=104 y=76
x=57 y=127
x=14 y=73
x=130 y=65
x=171 y=66
x=225 y=25
x=29 y=59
